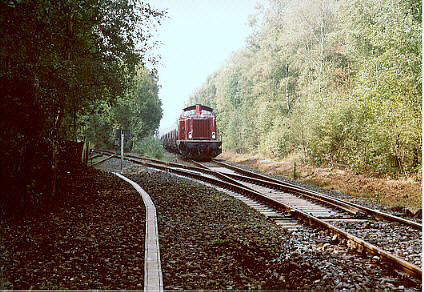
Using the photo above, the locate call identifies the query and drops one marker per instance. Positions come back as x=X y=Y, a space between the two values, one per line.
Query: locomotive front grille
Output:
x=201 y=129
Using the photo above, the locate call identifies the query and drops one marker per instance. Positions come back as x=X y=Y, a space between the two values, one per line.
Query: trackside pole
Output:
x=122 y=148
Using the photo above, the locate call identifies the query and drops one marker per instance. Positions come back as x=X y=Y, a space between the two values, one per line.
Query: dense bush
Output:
x=352 y=92
x=149 y=147
x=59 y=61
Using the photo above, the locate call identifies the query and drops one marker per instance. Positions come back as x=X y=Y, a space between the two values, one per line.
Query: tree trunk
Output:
x=287 y=87
x=324 y=7
x=55 y=151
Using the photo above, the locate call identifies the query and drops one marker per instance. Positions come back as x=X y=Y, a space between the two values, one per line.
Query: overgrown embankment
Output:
x=395 y=193
x=338 y=81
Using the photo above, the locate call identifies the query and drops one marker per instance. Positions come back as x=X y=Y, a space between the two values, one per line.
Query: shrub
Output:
x=149 y=146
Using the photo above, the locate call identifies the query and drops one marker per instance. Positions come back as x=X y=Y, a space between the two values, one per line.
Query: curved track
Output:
x=291 y=207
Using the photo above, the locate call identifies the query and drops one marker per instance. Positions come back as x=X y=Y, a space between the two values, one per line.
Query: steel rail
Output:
x=273 y=185
x=232 y=178
x=399 y=263
x=290 y=188
x=95 y=156
x=171 y=164
x=309 y=194
x=103 y=160
x=375 y=213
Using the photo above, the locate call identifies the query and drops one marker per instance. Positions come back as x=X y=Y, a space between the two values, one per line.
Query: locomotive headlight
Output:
x=213 y=135
x=190 y=135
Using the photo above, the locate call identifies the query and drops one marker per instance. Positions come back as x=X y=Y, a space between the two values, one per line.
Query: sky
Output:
x=197 y=38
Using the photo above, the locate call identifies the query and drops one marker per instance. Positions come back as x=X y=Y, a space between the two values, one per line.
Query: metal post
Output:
x=122 y=148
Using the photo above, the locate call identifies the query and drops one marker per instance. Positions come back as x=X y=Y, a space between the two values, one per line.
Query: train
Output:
x=195 y=136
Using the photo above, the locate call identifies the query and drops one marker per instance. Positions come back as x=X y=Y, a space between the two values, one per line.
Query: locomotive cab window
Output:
x=206 y=112
x=189 y=113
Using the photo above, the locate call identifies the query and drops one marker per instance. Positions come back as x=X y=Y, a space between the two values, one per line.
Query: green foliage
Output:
x=139 y=111
x=389 y=82
x=145 y=106
x=99 y=131
x=58 y=61
x=149 y=146
x=354 y=84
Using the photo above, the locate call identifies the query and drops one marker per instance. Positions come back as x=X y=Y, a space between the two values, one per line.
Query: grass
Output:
x=318 y=183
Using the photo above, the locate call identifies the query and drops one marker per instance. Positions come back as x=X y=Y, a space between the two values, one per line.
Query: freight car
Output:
x=196 y=136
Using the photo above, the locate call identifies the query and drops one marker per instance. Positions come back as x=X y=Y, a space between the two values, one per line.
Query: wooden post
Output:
x=294 y=170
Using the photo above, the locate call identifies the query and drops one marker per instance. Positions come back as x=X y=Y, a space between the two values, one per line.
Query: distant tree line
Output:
x=138 y=110
x=332 y=80
x=61 y=63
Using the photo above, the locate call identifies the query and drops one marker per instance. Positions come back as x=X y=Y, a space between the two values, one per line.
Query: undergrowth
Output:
x=149 y=147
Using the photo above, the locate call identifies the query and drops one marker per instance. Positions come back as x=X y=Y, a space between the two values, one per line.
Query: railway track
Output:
x=293 y=207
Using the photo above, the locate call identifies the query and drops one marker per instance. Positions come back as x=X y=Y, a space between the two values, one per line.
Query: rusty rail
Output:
x=103 y=160
x=289 y=187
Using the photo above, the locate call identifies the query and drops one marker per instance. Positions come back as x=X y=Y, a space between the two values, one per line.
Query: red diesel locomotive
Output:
x=196 y=136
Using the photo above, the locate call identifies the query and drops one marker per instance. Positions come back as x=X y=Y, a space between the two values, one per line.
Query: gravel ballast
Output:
x=361 y=201
x=210 y=240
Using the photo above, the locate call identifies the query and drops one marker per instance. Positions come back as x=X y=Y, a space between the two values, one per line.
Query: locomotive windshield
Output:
x=192 y=112
x=189 y=113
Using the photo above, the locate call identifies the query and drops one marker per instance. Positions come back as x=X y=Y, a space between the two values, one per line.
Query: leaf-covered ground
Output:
x=92 y=238
x=209 y=240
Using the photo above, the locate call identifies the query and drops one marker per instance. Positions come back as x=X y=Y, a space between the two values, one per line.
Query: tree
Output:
x=140 y=109
x=56 y=59
x=385 y=41
x=354 y=84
